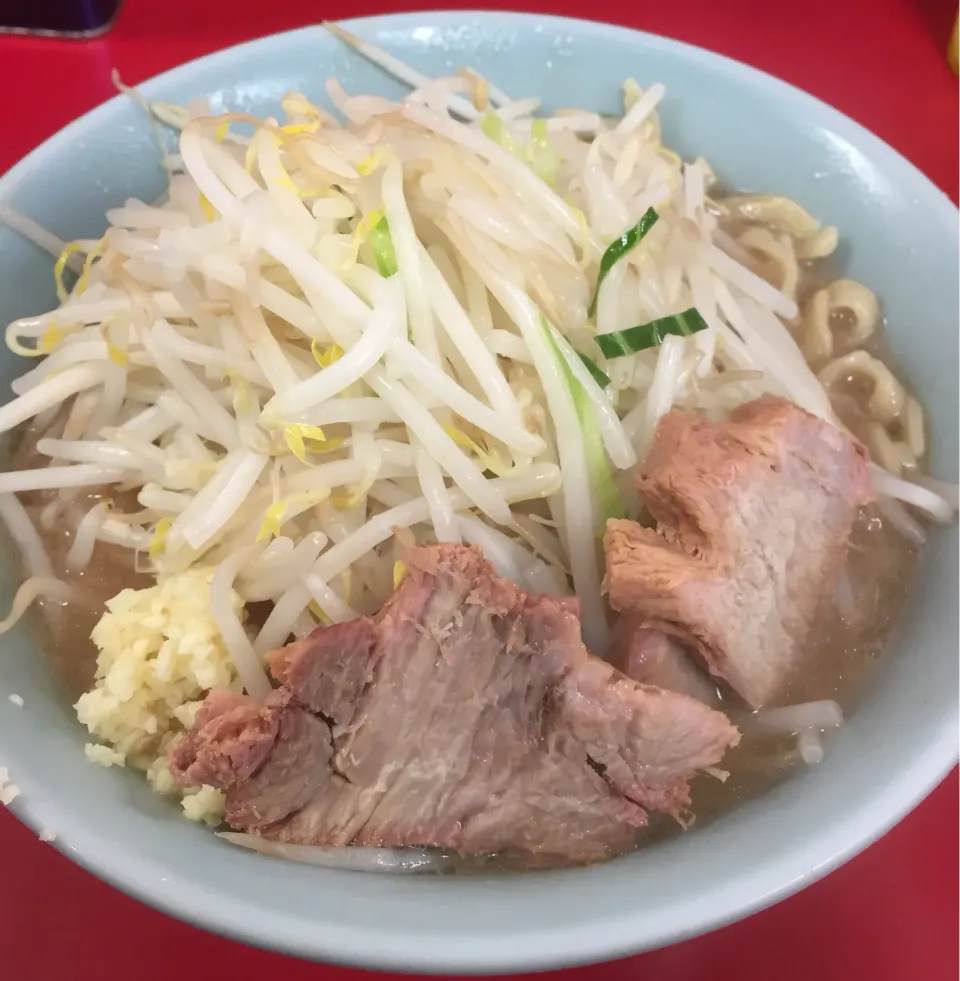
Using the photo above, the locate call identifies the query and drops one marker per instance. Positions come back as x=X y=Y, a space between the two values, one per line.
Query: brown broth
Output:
x=66 y=626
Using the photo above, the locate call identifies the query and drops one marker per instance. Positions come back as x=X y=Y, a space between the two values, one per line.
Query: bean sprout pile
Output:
x=344 y=331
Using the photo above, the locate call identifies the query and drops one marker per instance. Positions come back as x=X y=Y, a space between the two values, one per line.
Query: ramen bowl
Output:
x=759 y=134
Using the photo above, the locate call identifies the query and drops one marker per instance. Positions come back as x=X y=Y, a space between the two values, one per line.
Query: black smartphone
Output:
x=72 y=18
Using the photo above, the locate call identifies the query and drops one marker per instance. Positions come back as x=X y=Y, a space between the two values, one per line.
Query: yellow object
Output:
x=295 y=129
x=296 y=434
x=116 y=354
x=93 y=254
x=481 y=94
x=270 y=526
x=160 y=652
x=490 y=461
x=207 y=208
x=159 y=540
x=326 y=358
x=50 y=338
x=273 y=518
x=379 y=158
x=46 y=342
x=71 y=248
x=952 y=50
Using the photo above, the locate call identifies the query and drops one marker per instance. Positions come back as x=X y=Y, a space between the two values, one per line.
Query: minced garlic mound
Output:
x=160 y=653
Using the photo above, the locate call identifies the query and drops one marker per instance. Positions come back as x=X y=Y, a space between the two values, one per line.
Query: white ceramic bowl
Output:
x=901 y=239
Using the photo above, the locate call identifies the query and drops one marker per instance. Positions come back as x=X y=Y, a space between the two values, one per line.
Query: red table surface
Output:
x=890 y=914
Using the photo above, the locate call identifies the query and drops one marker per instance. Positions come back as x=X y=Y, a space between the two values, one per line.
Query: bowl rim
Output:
x=851 y=833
